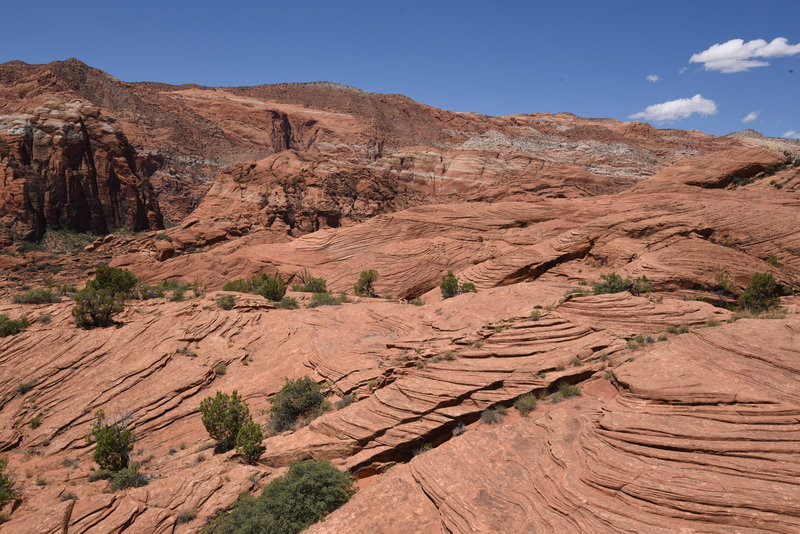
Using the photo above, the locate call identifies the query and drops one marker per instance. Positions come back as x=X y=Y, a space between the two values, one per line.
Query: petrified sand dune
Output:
x=671 y=451
x=658 y=411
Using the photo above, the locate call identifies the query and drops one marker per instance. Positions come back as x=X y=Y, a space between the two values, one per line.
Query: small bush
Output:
x=95 y=308
x=289 y=504
x=297 y=398
x=525 y=404
x=113 y=443
x=186 y=516
x=494 y=415
x=7 y=482
x=416 y=302
x=248 y=442
x=565 y=391
x=224 y=416
x=45 y=319
x=287 y=303
x=772 y=259
x=365 y=285
x=761 y=295
x=100 y=474
x=536 y=315
x=129 y=477
x=272 y=287
x=35 y=296
x=450 y=286
x=682 y=329
x=326 y=299
x=459 y=429
x=312 y=285
x=269 y=286
x=113 y=280
x=220 y=369
x=226 y=302
x=425 y=447
x=24 y=387
x=69 y=496
x=36 y=422
x=345 y=401
x=612 y=283
x=10 y=327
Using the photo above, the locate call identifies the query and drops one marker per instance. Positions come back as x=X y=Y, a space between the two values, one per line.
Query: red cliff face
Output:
x=67 y=167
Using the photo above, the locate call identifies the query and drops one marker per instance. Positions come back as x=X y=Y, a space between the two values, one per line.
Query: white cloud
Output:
x=682 y=70
x=737 y=55
x=677 y=109
x=653 y=78
x=750 y=117
x=791 y=134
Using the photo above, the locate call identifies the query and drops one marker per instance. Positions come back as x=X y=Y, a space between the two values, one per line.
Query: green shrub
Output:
x=772 y=259
x=272 y=287
x=224 y=416
x=761 y=295
x=289 y=504
x=113 y=443
x=129 y=477
x=327 y=299
x=311 y=284
x=24 y=387
x=612 y=283
x=226 y=302
x=416 y=302
x=450 y=286
x=35 y=296
x=113 y=280
x=269 y=286
x=566 y=391
x=525 y=404
x=365 y=286
x=36 y=421
x=100 y=474
x=494 y=415
x=248 y=442
x=9 y=327
x=7 y=482
x=96 y=308
x=186 y=516
x=345 y=401
x=45 y=319
x=240 y=286
x=287 y=303
x=297 y=398
x=68 y=496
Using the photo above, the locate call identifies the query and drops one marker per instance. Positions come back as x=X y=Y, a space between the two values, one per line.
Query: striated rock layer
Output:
x=68 y=168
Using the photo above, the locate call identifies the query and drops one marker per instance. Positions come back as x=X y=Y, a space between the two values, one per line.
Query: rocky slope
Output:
x=179 y=138
x=685 y=422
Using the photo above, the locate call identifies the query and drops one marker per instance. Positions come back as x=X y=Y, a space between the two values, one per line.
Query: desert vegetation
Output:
x=298 y=400
x=452 y=286
x=304 y=495
x=365 y=285
x=269 y=286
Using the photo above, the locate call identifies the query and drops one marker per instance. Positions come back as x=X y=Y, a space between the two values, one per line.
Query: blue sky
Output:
x=590 y=57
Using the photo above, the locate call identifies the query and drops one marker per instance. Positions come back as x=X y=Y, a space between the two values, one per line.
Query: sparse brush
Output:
x=525 y=404
x=494 y=415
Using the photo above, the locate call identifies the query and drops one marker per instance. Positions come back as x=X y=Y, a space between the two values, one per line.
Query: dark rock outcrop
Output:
x=67 y=167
